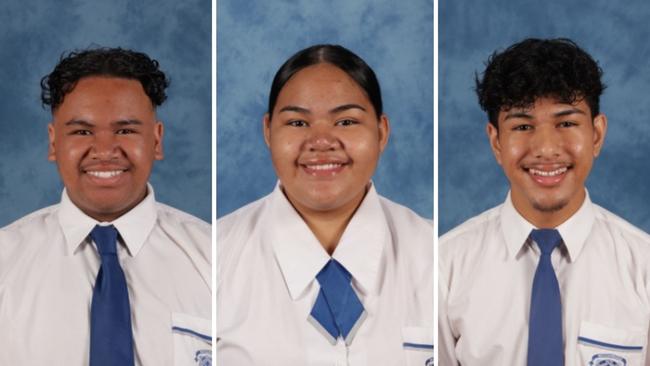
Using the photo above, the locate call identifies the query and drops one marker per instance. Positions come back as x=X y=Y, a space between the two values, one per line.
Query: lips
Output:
x=323 y=167
x=105 y=174
x=549 y=175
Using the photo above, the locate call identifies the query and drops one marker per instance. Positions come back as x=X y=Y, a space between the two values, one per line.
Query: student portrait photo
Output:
x=548 y=277
x=324 y=265
x=124 y=275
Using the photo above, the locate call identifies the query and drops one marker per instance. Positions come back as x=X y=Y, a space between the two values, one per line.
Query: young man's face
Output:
x=325 y=139
x=546 y=152
x=104 y=138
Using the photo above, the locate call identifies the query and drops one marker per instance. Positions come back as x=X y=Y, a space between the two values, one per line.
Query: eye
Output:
x=566 y=124
x=124 y=131
x=297 y=123
x=346 y=122
x=522 y=127
x=81 y=132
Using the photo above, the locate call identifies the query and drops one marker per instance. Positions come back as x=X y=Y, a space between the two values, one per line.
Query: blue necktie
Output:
x=337 y=309
x=111 y=338
x=545 y=345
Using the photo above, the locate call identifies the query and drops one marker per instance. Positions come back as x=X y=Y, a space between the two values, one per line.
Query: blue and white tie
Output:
x=545 y=344
x=338 y=311
x=111 y=337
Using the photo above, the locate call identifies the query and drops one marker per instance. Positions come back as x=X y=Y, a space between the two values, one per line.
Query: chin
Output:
x=549 y=206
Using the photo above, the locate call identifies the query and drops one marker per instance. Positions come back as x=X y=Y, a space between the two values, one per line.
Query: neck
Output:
x=328 y=225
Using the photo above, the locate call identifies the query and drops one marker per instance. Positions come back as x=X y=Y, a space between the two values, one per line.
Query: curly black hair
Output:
x=535 y=68
x=114 y=62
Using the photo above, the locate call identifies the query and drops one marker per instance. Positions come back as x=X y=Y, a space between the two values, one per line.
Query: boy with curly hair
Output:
x=548 y=277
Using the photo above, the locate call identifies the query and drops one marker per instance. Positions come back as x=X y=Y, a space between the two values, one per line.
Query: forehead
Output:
x=546 y=107
x=99 y=94
x=321 y=83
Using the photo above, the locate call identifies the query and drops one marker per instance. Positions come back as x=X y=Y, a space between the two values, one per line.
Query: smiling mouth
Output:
x=545 y=173
x=329 y=166
x=104 y=174
x=323 y=169
x=549 y=176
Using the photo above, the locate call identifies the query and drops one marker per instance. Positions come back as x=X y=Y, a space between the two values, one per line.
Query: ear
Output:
x=51 y=150
x=600 y=130
x=266 y=122
x=384 y=132
x=158 y=131
x=493 y=136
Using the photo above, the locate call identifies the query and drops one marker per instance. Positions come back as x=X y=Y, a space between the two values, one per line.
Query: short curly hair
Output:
x=535 y=68
x=112 y=62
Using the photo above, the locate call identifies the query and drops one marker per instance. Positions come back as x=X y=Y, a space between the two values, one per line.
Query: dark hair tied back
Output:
x=336 y=55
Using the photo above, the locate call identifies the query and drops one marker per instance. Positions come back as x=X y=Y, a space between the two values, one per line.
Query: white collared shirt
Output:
x=487 y=266
x=48 y=267
x=267 y=263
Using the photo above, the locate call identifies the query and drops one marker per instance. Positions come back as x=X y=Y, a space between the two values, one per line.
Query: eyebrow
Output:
x=122 y=122
x=335 y=110
x=562 y=113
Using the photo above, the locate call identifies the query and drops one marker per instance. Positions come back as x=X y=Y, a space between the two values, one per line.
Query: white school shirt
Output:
x=48 y=267
x=267 y=263
x=487 y=267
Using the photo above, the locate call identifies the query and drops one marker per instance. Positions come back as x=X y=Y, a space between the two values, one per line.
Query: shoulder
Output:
x=466 y=236
x=182 y=217
x=26 y=234
x=236 y=228
x=621 y=229
x=184 y=224
x=243 y=220
x=35 y=218
x=403 y=218
x=411 y=234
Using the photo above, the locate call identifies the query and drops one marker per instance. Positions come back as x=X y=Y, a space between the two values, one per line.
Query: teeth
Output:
x=105 y=174
x=323 y=166
x=548 y=174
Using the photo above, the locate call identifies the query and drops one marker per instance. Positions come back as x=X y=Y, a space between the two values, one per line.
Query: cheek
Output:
x=512 y=151
x=362 y=147
x=284 y=149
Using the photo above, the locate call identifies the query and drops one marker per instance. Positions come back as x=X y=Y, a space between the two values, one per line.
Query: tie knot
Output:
x=105 y=237
x=546 y=239
x=333 y=272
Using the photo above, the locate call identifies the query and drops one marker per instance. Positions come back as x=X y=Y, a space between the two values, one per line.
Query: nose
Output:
x=546 y=142
x=105 y=146
x=322 y=139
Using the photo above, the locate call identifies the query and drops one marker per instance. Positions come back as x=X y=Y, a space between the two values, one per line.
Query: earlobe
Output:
x=600 y=130
x=266 y=126
x=384 y=132
x=159 y=130
x=493 y=136
x=51 y=151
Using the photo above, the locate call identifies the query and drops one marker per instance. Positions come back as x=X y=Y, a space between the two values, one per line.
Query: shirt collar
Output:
x=134 y=226
x=300 y=256
x=574 y=231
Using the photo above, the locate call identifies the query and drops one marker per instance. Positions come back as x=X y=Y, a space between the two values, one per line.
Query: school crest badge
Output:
x=203 y=357
x=607 y=359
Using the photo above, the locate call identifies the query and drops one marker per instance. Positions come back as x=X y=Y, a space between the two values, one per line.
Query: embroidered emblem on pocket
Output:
x=203 y=357
x=607 y=359
x=429 y=362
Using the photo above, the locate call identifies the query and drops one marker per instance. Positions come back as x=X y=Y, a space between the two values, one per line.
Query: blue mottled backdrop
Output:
x=255 y=37
x=34 y=34
x=615 y=34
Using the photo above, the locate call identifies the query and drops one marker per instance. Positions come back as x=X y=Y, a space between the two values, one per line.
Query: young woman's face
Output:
x=325 y=139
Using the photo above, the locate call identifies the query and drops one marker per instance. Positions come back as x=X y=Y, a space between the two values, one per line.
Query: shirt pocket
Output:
x=603 y=345
x=192 y=340
x=417 y=343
